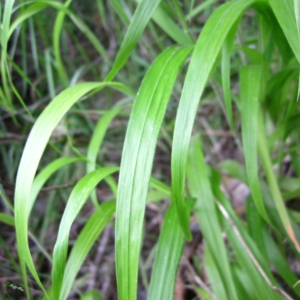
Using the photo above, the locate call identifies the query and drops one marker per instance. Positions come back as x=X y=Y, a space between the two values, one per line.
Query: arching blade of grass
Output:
x=170 y=27
x=78 y=197
x=250 y=79
x=84 y=243
x=169 y=251
x=138 y=23
x=199 y=187
x=285 y=15
x=8 y=9
x=45 y=174
x=30 y=11
x=200 y=8
x=271 y=179
x=118 y=7
x=137 y=159
x=56 y=43
x=34 y=148
x=96 y=141
x=202 y=61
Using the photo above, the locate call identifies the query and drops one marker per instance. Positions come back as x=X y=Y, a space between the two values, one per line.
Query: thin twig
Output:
x=250 y=254
x=197 y=279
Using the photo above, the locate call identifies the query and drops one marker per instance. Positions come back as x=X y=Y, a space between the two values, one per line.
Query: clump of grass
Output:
x=245 y=61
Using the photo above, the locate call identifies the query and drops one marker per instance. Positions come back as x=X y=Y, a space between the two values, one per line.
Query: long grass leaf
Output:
x=215 y=181
x=199 y=187
x=84 y=243
x=280 y=262
x=8 y=9
x=170 y=27
x=9 y=220
x=136 y=163
x=56 y=43
x=169 y=251
x=34 y=148
x=250 y=92
x=96 y=141
x=42 y=4
x=204 y=55
x=285 y=15
x=137 y=25
x=78 y=197
x=226 y=51
x=260 y=285
x=274 y=188
x=45 y=174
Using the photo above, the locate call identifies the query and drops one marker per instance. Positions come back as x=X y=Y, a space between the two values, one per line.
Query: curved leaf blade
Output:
x=250 y=79
x=136 y=163
x=167 y=258
x=202 y=61
x=76 y=200
x=84 y=243
x=45 y=174
x=34 y=148
x=137 y=25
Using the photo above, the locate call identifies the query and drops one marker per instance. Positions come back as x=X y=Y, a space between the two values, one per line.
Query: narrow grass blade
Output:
x=117 y=5
x=56 y=43
x=30 y=11
x=199 y=187
x=49 y=73
x=137 y=25
x=280 y=262
x=96 y=141
x=78 y=197
x=200 y=8
x=169 y=251
x=33 y=44
x=297 y=17
x=9 y=220
x=285 y=15
x=250 y=78
x=226 y=51
x=34 y=148
x=136 y=164
x=202 y=62
x=215 y=181
x=170 y=27
x=84 y=243
x=45 y=174
x=274 y=188
x=8 y=9
x=260 y=285
x=42 y=4
x=215 y=281
x=255 y=226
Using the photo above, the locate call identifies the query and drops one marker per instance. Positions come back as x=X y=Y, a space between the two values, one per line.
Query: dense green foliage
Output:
x=92 y=92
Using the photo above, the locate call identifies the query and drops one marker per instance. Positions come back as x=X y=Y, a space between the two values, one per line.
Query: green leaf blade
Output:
x=136 y=163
